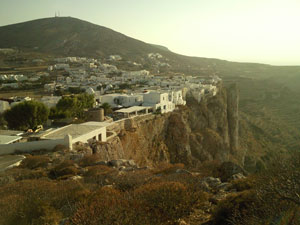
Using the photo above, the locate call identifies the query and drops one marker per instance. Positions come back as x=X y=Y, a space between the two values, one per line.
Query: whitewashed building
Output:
x=61 y=66
x=176 y=97
x=118 y=100
x=159 y=101
x=84 y=132
x=49 y=87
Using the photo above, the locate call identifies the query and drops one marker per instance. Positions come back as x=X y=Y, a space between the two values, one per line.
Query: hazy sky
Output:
x=265 y=31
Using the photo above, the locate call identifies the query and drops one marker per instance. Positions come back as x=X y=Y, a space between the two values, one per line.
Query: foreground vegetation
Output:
x=104 y=195
x=47 y=189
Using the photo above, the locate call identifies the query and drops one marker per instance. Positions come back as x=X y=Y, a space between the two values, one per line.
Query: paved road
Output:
x=8 y=160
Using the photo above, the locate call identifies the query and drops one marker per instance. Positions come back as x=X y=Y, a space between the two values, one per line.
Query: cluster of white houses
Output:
x=104 y=81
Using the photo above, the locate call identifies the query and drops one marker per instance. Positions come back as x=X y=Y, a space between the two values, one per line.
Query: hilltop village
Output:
x=127 y=94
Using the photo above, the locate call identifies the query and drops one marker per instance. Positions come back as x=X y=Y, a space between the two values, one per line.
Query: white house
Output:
x=79 y=132
x=117 y=100
x=109 y=68
x=61 y=66
x=90 y=91
x=68 y=80
x=129 y=100
x=50 y=68
x=49 y=87
x=115 y=57
x=158 y=101
x=177 y=97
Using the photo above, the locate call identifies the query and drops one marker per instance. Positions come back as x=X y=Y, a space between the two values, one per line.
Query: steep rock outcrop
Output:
x=192 y=134
x=110 y=150
x=233 y=117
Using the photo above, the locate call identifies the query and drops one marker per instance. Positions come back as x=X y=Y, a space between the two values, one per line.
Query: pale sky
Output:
x=265 y=31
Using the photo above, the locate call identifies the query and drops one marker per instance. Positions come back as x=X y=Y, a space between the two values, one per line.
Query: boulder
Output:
x=116 y=162
x=82 y=148
x=227 y=169
x=76 y=177
x=76 y=157
x=204 y=186
x=224 y=186
x=121 y=162
x=212 y=181
x=131 y=163
x=126 y=169
x=237 y=176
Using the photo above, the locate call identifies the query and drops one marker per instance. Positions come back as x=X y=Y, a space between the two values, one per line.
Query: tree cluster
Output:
x=72 y=106
x=26 y=115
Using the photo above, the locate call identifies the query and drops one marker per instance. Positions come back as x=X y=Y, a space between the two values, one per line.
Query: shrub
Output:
x=64 y=170
x=70 y=193
x=209 y=168
x=33 y=162
x=166 y=168
x=166 y=201
x=89 y=160
x=132 y=180
x=243 y=184
x=239 y=203
x=27 y=174
x=29 y=202
x=39 y=201
x=99 y=174
x=107 y=206
x=98 y=170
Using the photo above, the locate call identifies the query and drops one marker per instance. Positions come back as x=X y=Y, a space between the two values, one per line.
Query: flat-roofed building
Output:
x=79 y=133
x=159 y=101
x=6 y=139
x=133 y=111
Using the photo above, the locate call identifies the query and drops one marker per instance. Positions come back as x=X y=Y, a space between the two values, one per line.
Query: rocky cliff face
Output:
x=233 y=117
x=192 y=134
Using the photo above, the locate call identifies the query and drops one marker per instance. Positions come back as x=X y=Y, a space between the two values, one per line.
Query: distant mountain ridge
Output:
x=67 y=36
x=71 y=36
x=161 y=47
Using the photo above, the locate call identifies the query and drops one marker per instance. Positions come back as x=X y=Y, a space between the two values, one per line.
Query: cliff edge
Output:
x=191 y=134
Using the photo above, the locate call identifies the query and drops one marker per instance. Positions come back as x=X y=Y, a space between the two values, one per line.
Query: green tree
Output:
x=74 y=106
x=26 y=115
